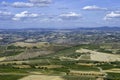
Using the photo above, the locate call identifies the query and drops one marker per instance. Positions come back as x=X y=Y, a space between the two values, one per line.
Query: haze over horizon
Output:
x=59 y=13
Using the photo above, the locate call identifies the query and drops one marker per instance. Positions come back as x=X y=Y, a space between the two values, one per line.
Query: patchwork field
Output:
x=81 y=62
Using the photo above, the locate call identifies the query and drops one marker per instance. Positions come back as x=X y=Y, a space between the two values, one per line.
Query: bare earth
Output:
x=38 y=44
x=41 y=77
x=2 y=58
x=114 y=70
x=99 y=56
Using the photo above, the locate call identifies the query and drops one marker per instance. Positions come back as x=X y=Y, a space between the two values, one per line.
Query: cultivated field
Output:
x=42 y=77
x=38 y=44
x=99 y=56
x=28 y=54
x=2 y=58
x=82 y=62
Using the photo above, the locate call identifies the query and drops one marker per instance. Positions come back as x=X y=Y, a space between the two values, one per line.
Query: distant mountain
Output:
x=104 y=28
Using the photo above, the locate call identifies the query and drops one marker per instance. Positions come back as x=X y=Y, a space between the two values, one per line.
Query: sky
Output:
x=59 y=13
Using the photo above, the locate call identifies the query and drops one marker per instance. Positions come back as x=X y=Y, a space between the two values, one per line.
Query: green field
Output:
x=10 y=77
x=56 y=58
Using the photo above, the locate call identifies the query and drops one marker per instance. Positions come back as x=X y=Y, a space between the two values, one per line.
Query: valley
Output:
x=81 y=60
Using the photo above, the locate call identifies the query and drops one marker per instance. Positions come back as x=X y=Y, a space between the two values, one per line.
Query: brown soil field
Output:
x=41 y=77
x=38 y=44
x=99 y=56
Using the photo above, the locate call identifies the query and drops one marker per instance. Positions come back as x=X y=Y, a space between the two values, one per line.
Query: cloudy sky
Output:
x=59 y=13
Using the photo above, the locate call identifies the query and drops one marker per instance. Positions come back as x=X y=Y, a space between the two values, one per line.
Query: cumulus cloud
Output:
x=24 y=15
x=94 y=7
x=22 y=4
x=70 y=16
x=112 y=15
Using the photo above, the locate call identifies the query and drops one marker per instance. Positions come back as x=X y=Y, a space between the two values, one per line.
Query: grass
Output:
x=78 y=78
x=113 y=76
x=10 y=53
x=62 y=69
x=72 y=65
x=74 y=55
x=83 y=68
x=67 y=65
x=85 y=56
x=10 y=69
x=10 y=77
x=107 y=66
x=104 y=50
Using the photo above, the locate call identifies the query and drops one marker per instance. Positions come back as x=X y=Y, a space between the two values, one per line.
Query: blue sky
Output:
x=59 y=13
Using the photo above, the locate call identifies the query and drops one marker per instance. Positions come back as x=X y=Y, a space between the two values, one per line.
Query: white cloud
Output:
x=94 y=7
x=30 y=3
x=112 y=15
x=70 y=16
x=5 y=13
x=41 y=1
x=24 y=15
x=22 y=4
